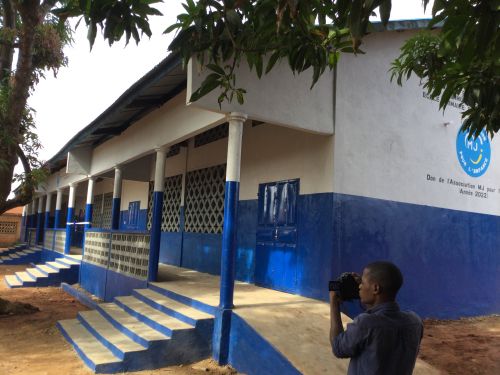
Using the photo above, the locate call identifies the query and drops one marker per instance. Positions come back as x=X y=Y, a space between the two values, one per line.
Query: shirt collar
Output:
x=384 y=307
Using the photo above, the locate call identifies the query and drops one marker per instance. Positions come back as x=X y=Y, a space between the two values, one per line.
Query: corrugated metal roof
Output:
x=163 y=82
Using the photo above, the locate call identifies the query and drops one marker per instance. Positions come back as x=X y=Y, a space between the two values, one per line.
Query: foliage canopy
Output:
x=461 y=60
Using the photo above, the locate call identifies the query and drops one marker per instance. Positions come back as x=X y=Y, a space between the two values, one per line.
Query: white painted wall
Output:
x=278 y=97
x=61 y=179
x=214 y=153
x=103 y=186
x=134 y=191
x=389 y=138
x=273 y=153
x=170 y=124
x=175 y=165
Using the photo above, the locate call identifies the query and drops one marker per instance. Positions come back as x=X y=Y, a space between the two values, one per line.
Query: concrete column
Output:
x=89 y=203
x=57 y=213
x=39 y=227
x=223 y=317
x=69 y=218
x=117 y=194
x=154 y=245
x=48 y=201
x=24 y=223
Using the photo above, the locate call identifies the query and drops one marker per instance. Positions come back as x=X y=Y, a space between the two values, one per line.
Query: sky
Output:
x=93 y=80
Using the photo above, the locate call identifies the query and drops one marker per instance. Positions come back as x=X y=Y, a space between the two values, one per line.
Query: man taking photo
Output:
x=383 y=340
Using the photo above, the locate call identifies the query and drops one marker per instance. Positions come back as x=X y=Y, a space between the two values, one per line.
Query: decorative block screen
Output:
x=60 y=241
x=150 y=205
x=212 y=135
x=171 y=204
x=107 y=204
x=130 y=254
x=8 y=227
x=170 y=219
x=97 y=248
x=97 y=212
x=48 y=239
x=204 y=204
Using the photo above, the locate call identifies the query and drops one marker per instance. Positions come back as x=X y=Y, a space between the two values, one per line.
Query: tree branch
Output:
x=6 y=49
x=24 y=159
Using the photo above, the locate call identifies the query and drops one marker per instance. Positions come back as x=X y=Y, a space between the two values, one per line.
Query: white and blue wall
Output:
x=405 y=189
x=379 y=176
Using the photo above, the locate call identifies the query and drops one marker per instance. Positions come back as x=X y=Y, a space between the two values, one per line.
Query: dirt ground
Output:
x=31 y=344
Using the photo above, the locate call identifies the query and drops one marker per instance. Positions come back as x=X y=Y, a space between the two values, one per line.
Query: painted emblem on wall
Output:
x=473 y=154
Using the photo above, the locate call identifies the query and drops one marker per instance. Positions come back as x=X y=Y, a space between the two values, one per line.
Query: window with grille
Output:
x=204 y=204
x=172 y=192
x=8 y=227
x=212 y=135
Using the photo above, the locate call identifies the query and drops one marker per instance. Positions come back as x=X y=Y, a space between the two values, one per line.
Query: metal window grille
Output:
x=107 y=204
x=170 y=220
x=174 y=150
x=212 y=135
x=97 y=248
x=97 y=212
x=8 y=227
x=60 y=241
x=130 y=254
x=204 y=205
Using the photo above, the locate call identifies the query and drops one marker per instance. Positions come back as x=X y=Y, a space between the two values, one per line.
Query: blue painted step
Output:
x=49 y=274
x=146 y=330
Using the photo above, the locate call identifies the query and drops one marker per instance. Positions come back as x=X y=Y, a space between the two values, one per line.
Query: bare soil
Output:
x=469 y=346
x=31 y=344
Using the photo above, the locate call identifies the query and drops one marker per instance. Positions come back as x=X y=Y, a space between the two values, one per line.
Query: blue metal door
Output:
x=276 y=250
x=133 y=215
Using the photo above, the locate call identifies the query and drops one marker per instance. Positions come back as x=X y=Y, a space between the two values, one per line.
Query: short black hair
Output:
x=387 y=275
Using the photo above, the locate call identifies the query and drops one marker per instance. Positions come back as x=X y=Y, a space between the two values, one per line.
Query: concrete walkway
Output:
x=297 y=326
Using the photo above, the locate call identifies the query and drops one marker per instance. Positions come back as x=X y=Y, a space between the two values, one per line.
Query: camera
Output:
x=346 y=286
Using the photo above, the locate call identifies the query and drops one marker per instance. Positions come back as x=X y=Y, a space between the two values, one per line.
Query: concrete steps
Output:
x=48 y=274
x=146 y=330
x=20 y=255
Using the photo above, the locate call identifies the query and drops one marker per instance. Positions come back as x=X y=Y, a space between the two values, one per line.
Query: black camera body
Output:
x=345 y=286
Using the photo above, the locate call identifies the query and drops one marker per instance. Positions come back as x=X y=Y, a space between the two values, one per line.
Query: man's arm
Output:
x=336 y=327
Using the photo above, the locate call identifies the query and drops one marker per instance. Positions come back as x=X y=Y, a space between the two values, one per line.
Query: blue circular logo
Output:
x=473 y=154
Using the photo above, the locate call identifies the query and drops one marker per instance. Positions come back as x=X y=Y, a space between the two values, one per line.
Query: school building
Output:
x=282 y=193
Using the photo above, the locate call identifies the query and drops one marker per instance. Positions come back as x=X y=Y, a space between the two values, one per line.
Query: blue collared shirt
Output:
x=382 y=341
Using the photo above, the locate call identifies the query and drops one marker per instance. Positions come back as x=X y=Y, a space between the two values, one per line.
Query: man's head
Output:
x=380 y=283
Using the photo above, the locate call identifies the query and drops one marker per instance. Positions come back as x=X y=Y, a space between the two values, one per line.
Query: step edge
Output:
x=123 y=329
x=164 y=309
x=103 y=340
x=86 y=360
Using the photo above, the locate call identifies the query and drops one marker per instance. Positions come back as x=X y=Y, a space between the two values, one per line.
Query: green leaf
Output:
x=217 y=69
x=272 y=61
